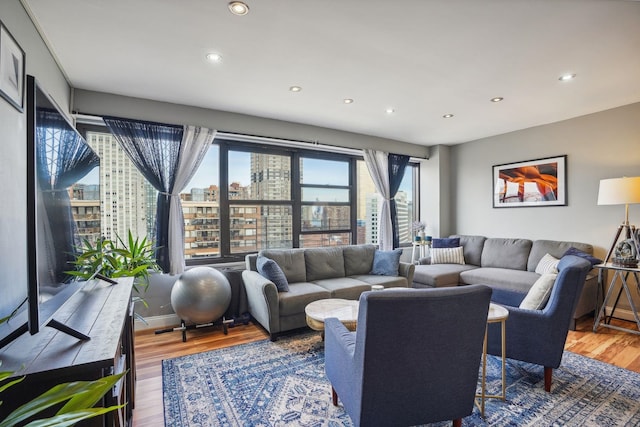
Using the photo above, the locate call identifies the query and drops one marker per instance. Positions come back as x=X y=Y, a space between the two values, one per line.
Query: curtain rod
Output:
x=281 y=142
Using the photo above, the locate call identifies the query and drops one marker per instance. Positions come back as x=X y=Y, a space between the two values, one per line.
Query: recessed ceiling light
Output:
x=295 y=88
x=390 y=111
x=348 y=101
x=497 y=99
x=238 y=8
x=566 y=77
x=448 y=116
x=214 y=57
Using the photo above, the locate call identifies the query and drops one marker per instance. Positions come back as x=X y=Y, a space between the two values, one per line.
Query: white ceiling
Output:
x=423 y=58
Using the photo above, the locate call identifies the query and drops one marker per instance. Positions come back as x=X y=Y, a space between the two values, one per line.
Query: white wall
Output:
x=13 y=155
x=600 y=145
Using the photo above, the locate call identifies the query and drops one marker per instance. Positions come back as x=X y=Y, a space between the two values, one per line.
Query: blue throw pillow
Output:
x=270 y=269
x=450 y=242
x=386 y=263
x=577 y=252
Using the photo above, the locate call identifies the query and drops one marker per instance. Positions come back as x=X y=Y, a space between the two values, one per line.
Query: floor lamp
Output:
x=620 y=191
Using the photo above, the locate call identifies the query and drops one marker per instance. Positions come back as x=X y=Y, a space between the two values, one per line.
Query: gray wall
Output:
x=13 y=227
x=598 y=146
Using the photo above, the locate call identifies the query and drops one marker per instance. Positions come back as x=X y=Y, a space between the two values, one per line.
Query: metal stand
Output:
x=621 y=273
x=226 y=323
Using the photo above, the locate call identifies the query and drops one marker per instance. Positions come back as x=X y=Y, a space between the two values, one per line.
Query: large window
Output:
x=246 y=197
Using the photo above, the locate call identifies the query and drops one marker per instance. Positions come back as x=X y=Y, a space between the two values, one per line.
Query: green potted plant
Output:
x=131 y=258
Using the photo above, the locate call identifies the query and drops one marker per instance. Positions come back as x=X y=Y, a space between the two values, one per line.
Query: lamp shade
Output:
x=619 y=191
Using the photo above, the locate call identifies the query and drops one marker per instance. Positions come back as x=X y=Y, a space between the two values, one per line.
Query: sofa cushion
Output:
x=449 y=242
x=548 y=264
x=473 y=246
x=344 y=287
x=447 y=255
x=386 y=263
x=538 y=295
x=358 y=259
x=291 y=261
x=324 y=263
x=577 y=252
x=506 y=253
x=300 y=294
x=439 y=275
x=269 y=269
x=514 y=280
x=553 y=247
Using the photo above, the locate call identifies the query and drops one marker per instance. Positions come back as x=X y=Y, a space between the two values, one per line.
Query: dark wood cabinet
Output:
x=101 y=311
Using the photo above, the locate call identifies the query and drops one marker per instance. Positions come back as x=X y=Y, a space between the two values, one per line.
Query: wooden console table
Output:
x=620 y=274
x=100 y=310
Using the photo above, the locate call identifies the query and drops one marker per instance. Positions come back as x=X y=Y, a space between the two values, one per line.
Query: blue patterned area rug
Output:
x=283 y=384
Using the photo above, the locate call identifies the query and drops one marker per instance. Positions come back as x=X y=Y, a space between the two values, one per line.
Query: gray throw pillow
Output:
x=386 y=263
x=270 y=269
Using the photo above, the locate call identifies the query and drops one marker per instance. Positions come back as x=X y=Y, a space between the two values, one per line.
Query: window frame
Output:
x=295 y=153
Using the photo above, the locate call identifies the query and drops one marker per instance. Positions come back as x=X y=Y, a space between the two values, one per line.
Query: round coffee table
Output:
x=345 y=310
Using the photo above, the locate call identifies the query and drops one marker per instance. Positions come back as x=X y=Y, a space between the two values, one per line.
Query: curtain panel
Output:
x=397 y=165
x=61 y=159
x=167 y=156
x=194 y=146
x=153 y=148
x=378 y=165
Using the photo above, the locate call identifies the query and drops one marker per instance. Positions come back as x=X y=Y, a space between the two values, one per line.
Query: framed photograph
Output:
x=541 y=182
x=12 y=70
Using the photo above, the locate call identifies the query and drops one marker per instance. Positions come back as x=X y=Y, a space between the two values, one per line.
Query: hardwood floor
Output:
x=610 y=346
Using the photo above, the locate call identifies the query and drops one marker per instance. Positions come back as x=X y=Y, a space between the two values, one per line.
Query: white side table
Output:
x=423 y=249
x=497 y=313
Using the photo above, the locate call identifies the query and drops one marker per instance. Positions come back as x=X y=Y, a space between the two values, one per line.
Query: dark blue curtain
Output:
x=62 y=158
x=154 y=149
x=397 y=164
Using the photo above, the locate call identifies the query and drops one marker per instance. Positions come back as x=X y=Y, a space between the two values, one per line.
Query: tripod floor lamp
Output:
x=622 y=191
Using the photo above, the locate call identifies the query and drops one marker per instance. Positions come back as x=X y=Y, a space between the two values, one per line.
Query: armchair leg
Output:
x=334 y=396
x=548 y=374
x=457 y=422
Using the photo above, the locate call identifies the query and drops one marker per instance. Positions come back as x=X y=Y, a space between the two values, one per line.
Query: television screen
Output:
x=63 y=205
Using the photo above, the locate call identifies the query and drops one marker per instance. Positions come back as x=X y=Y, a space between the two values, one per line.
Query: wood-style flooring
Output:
x=611 y=346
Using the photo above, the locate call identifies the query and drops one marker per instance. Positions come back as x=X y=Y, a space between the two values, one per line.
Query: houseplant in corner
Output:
x=131 y=258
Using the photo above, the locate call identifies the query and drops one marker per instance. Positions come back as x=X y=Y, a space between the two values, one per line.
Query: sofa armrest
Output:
x=406 y=269
x=262 y=299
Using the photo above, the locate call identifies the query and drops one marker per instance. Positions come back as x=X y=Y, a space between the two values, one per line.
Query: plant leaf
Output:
x=86 y=393
x=71 y=418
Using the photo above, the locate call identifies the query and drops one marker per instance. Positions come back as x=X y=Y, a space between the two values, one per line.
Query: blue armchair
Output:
x=414 y=358
x=538 y=336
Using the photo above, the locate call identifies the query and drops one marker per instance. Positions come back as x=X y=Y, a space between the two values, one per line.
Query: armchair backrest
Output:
x=418 y=352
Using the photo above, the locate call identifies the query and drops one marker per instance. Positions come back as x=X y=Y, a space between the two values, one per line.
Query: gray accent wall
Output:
x=598 y=146
x=13 y=141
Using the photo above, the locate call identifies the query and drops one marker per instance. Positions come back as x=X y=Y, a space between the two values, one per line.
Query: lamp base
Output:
x=624 y=262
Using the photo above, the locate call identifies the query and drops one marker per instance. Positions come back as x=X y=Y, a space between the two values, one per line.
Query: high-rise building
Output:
x=124 y=192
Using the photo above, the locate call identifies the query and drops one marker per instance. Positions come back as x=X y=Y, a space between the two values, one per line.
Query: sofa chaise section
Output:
x=507 y=265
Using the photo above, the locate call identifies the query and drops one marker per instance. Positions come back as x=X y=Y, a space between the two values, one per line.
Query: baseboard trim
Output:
x=157 y=322
x=622 y=313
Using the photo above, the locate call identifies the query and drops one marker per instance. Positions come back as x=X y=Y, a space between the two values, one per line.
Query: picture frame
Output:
x=531 y=183
x=12 y=69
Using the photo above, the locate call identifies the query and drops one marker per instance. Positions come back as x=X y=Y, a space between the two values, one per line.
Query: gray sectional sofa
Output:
x=506 y=265
x=313 y=274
